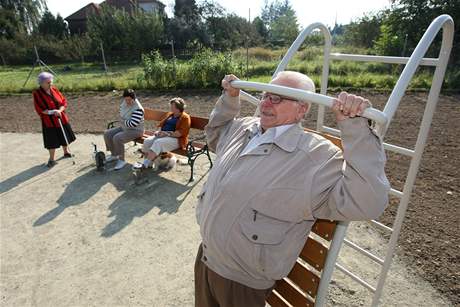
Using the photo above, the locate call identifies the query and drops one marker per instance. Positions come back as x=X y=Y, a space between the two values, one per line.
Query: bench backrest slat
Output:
x=304 y=279
x=157 y=115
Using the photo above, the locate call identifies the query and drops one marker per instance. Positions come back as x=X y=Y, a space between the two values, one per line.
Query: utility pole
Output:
x=247 y=46
x=103 y=58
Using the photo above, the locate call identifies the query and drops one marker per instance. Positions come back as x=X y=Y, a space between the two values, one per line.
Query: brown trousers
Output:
x=213 y=290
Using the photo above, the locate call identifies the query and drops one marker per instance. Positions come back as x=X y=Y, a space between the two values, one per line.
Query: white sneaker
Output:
x=111 y=158
x=120 y=164
x=137 y=166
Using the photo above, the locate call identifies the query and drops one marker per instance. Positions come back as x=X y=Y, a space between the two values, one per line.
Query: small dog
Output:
x=166 y=161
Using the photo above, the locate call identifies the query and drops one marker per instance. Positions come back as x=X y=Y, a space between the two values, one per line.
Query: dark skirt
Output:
x=53 y=137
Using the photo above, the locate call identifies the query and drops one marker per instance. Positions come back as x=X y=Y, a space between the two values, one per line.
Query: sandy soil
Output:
x=430 y=238
x=72 y=236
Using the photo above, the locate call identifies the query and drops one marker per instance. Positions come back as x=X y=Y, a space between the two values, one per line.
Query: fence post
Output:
x=103 y=58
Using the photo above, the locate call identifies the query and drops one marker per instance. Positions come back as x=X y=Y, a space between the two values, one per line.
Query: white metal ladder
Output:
x=443 y=22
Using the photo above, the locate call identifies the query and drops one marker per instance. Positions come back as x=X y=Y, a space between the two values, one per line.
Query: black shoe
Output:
x=51 y=163
x=67 y=155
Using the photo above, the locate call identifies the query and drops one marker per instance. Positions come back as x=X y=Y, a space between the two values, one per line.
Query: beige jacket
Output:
x=256 y=210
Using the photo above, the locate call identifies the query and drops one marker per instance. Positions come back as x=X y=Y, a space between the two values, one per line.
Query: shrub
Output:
x=205 y=69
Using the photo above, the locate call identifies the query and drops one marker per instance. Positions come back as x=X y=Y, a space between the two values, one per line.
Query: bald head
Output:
x=297 y=79
x=289 y=111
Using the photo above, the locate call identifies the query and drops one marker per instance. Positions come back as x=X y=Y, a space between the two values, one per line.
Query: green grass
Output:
x=262 y=64
x=81 y=77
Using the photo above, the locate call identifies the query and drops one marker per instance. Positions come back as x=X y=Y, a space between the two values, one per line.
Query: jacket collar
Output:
x=287 y=141
x=290 y=138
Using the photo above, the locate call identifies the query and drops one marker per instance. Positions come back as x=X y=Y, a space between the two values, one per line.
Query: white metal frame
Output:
x=383 y=120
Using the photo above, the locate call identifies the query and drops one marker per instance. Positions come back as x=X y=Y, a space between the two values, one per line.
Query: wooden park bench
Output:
x=196 y=146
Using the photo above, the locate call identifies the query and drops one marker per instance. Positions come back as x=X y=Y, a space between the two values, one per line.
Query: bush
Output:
x=260 y=53
x=159 y=72
x=50 y=49
x=206 y=69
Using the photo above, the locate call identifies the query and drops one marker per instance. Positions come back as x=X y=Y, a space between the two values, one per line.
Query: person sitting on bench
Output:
x=175 y=127
x=132 y=127
x=271 y=181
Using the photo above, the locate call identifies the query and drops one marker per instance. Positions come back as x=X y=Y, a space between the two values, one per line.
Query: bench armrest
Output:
x=112 y=124
x=199 y=137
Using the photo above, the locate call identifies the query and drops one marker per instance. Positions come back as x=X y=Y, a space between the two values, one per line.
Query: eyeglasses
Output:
x=275 y=99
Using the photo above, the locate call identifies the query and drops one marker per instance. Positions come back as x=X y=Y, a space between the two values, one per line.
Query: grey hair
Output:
x=43 y=76
x=300 y=81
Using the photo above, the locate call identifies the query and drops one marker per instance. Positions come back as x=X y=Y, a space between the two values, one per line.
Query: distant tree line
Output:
x=195 y=25
x=206 y=24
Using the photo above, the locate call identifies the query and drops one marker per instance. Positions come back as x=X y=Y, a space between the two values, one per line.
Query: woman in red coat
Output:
x=50 y=105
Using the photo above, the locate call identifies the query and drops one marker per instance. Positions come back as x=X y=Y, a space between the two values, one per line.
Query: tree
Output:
x=187 y=10
x=260 y=28
x=412 y=18
x=210 y=8
x=281 y=21
x=231 y=31
x=364 y=31
x=9 y=24
x=187 y=25
x=54 y=26
x=26 y=14
x=118 y=30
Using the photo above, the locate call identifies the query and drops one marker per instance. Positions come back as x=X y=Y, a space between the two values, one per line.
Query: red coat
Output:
x=43 y=101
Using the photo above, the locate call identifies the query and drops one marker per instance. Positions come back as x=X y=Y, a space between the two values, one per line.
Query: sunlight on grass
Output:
x=262 y=64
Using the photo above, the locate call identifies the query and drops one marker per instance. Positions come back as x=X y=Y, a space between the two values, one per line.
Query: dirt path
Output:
x=71 y=236
x=430 y=238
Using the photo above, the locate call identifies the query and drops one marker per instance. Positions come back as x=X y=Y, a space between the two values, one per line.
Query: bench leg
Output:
x=191 y=162
x=209 y=157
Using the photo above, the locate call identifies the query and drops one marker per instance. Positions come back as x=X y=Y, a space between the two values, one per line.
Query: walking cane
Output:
x=65 y=138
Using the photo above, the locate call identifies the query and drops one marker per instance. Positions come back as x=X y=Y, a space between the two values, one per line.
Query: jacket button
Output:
x=255 y=237
x=204 y=258
x=265 y=150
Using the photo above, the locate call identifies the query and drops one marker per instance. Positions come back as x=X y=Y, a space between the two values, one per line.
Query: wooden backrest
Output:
x=154 y=115
x=300 y=287
x=157 y=115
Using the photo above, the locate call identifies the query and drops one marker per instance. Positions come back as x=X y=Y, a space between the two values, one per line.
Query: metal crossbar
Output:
x=380 y=59
x=383 y=120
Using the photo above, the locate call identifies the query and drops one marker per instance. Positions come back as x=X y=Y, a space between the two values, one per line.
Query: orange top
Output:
x=182 y=125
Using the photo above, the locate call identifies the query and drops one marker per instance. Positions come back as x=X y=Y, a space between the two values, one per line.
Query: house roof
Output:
x=84 y=11
x=150 y=1
x=93 y=7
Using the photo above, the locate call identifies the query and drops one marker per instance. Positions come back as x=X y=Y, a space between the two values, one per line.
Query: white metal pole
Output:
x=447 y=24
x=370 y=113
x=326 y=275
x=444 y=21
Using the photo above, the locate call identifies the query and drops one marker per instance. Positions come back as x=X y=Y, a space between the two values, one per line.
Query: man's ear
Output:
x=303 y=109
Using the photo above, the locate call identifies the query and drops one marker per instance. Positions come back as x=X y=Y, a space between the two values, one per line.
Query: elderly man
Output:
x=269 y=184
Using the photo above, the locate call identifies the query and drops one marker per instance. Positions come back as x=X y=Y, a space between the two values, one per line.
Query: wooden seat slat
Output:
x=314 y=253
x=324 y=228
x=292 y=295
x=304 y=279
x=274 y=300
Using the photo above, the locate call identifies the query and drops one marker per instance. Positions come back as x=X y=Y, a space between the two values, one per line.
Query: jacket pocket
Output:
x=283 y=204
x=272 y=230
